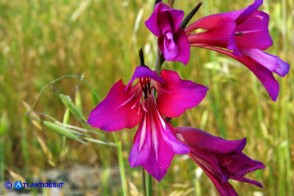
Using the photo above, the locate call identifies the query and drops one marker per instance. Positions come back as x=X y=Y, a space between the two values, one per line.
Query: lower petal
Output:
x=155 y=145
x=157 y=166
x=142 y=144
x=264 y=75
x=271 y=62
x=219 y=179
x=243 y=179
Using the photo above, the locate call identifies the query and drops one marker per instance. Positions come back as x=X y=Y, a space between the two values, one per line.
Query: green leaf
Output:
x=66 y=100
x=62 y=131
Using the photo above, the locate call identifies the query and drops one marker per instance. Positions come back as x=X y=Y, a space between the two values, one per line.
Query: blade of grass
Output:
x=121 y=166
x=63 y=131
x=4 y=125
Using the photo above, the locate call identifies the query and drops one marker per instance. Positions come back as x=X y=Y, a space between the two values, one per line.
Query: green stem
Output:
x=143 y=181
x=148 y=184
x=159 y=61
x=121 y=166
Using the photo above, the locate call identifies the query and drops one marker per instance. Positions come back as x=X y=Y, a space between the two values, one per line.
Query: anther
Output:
x=149 y=87
x=239 y=33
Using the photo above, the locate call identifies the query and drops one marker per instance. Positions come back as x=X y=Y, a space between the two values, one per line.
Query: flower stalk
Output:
x=148 y=184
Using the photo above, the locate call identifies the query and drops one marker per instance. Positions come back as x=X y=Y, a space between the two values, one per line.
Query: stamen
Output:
x=149 y=87
x=146 y=87
x=239 y=33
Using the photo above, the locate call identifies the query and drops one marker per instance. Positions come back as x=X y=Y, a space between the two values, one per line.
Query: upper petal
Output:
x=143 y=72
x=152 y=22
x=199 y=139
x=177 y=17
x=164 y=18
x=248 y=11
x=118 y=110
x=152 y=25
x=178 y=95
x=222 y=29
x=218 y=29
x=213 y=21
x=254 y=32
x=165 y=22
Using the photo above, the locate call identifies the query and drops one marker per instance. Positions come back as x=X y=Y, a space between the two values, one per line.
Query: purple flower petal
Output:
x=218 y=30
x=248 y=11
x=245 y=164
x=164 y=22
x=168 y=46
x=164 y=19
x=264 y=75
x=196 y=138
x=152 y=25
x=178 y=95
x=155 y=144
x=183 y=47
x=175 y=47
x=172 y=41
x=223 y=30
x=253 y=182
x=118 y=110
x=254 y=32
x=176 y=18
x=271 y=62
x=220 y=159
x=144 y=72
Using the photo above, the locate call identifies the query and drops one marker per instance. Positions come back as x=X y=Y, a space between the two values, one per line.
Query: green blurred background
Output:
x=93 y=43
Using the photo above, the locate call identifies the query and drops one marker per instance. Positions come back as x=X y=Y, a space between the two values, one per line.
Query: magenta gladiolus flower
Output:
x=242 y=35
x=127 y=106
x=172 y=40
x=220 y=159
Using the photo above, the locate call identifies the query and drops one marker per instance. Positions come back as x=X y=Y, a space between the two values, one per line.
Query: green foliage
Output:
x=58 y=128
